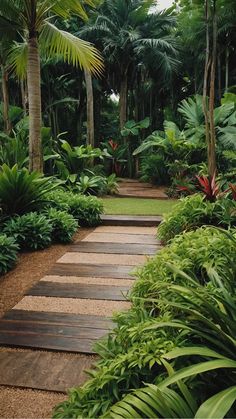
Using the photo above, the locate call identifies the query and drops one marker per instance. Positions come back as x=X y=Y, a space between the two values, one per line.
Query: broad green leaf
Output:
x=218 y=405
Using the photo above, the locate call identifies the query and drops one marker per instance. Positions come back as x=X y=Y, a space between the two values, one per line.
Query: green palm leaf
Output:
x=73 y=50
x=218 y=405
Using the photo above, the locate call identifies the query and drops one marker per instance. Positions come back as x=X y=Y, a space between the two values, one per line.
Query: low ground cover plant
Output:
x=31 y=231
x=173 y=353
x=8 y=253
x=63 y=225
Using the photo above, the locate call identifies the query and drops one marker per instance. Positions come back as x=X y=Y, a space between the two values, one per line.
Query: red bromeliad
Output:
x=209 y=187
x=233 y=190
x=113 y=144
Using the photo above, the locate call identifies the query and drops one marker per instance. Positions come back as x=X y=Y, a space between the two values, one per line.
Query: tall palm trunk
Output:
x=90 y=108
x=212 y=144
x=205 y=82
x=5 y=96
x=35 y=113
x=123 y=98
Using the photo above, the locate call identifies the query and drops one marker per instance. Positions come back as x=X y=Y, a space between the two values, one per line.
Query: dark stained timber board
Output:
x=87 y=291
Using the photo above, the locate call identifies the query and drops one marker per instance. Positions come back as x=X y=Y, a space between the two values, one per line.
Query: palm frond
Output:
x=17 y=59
x=73 y=50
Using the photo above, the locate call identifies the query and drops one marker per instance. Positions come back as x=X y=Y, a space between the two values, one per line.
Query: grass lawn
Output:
x=137 y=206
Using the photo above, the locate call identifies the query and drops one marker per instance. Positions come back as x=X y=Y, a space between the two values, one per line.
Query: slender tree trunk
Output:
x=205 y=82
x=35 y=112
x=219 y=76
x=90 y=108
x=123 y=99
x=5 y=96
x=212 y=145
x=227 y=69
x=97 y=118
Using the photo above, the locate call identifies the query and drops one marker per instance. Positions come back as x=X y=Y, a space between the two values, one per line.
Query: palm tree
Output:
x=126 y=29
x=35 y=21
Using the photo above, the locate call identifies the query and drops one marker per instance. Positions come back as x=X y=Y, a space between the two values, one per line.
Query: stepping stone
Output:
x=42 y=370
x=86 y=291
x=102 y=258
x=131 y=220
x=115 y=248
x=121 y=238
x=91 y=270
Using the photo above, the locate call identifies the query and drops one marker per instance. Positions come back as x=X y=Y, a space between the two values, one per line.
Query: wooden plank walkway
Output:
x=112 y=252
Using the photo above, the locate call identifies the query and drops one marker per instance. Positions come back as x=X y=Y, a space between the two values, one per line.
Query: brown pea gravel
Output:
x=28 y=404
x=30 y=268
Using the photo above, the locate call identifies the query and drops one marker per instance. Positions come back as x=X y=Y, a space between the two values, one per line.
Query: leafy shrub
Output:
x=91 y=185
x=63 y=225
x=180 y=340
x=194 y=211
x=111 y=184
x=204 y=254
x=154 y=169
x=21 y=191
x=85 y=209
x=189 y=213
x=8 y=253
x=31 y=231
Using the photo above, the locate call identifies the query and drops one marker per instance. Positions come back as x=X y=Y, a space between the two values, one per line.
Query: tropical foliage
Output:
x=8 y=253
x=178 y=338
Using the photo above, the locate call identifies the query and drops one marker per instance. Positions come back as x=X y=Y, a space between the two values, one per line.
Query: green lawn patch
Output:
x=137 y=206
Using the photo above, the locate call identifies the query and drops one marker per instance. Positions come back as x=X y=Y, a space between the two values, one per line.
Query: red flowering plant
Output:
x=115 y=152
x=232 y=189
x=209 y=187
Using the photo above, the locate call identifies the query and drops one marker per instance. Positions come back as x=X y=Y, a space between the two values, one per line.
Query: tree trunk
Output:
x=35 y=112
x=90 y=108
x=226 y=69
x=5 y=96
x=123 y=99
x=219 y=76
x=205 y=82
x=212 y=144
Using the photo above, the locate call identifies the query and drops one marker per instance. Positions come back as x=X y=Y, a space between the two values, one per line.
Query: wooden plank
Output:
x=115 y=248
x=62 y=319
x=91 y=270
x=42 y=370
x=32 y=328
x=57 y=343
x=86 y=291
x=129 y=220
